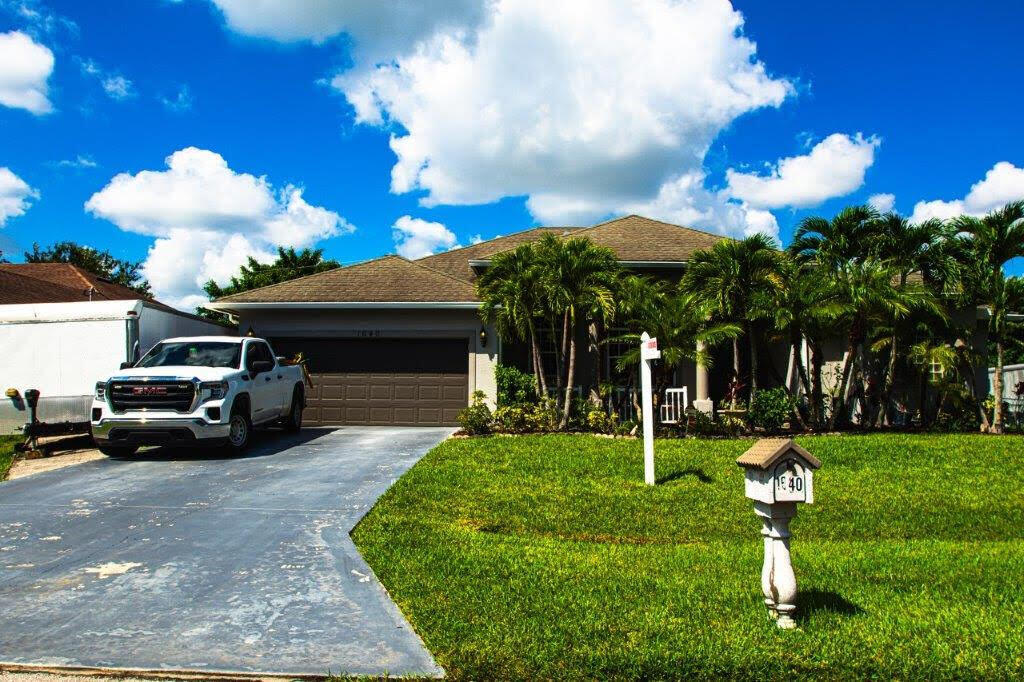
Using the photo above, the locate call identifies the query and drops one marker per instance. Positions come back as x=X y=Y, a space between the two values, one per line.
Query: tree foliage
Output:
x=289 y=264
x=100 y=263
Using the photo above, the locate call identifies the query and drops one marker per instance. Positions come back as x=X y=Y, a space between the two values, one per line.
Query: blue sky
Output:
x=285 y=118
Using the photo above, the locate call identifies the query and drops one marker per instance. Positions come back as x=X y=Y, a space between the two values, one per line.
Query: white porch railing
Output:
x=674 y=405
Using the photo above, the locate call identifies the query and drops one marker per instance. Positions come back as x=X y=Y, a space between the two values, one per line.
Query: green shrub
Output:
x=514 y=386
x=770 y=409
x=475 y=420
x=511 y=419
x=543 y=416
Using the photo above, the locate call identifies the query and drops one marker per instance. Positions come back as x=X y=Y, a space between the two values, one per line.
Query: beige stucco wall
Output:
x=386 y=323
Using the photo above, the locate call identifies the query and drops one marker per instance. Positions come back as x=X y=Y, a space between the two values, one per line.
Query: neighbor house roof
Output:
x=387 y=279
x=59 y=283
x=449 y=276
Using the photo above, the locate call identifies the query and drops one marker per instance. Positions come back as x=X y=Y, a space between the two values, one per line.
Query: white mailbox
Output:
x=779 y=470
x=779 y=474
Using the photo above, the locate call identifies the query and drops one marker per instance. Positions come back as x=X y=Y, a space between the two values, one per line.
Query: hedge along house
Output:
x=394 y=341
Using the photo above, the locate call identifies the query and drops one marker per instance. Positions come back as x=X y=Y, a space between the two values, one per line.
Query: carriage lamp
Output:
x=483 y=337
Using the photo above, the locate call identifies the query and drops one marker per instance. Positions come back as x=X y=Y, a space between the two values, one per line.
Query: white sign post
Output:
x=648 y=351
x=779 y=475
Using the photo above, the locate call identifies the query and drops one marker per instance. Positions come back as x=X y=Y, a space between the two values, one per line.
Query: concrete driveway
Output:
x=185 y=560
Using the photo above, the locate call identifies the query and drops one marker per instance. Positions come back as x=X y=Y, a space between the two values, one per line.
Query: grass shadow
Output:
x=810 y=602
x=677 y=475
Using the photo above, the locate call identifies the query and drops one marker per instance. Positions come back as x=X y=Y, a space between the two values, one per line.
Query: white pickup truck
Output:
x=203 y=390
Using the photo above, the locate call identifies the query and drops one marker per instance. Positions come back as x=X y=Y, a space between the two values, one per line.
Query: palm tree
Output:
x=727 y=279
x=578 y=279
x=833 y=243
x=804 y=307
x=512 y=300
x=869 y=293
x=908 y=249
x=678 y=321
x=994 y=240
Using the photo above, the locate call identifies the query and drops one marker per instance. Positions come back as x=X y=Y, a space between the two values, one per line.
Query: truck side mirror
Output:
x=125 y=365
x=260 y=366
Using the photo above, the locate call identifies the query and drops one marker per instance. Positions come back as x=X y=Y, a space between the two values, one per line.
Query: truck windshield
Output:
x=193 y=354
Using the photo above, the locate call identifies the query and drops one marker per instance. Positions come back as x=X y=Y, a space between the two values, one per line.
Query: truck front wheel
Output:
x=239 y=430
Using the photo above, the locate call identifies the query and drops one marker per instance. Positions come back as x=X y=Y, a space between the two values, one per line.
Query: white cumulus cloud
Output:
x=833 y=168
x=208 y=219
x=25 y=67
x=882 y=203
x=416 y=238
x=1002 y=184
x=378 y=29
x=585 y=108
x=15 y=195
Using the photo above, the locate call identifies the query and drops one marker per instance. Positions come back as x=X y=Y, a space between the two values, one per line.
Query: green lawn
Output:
x=7 y=453
x=546 y=557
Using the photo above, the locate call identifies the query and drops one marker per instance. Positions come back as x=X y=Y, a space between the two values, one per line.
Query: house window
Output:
x=616 y=349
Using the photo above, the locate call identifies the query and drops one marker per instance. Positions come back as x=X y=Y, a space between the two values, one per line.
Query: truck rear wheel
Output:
x=293 y=422
x=239 y=430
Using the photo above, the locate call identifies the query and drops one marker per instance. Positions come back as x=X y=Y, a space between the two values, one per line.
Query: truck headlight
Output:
x=101 y=390
x=213 y=390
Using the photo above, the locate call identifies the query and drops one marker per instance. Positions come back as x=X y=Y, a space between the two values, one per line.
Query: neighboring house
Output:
x=62 y=329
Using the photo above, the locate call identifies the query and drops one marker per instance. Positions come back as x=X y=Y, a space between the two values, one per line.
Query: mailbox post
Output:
x=779 y=475
x=648 y=351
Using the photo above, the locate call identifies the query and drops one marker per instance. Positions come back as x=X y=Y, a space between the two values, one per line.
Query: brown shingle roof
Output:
x=15 y=288
x=59 y=283
x=73 y=277
x=635 y=238
x=448 y=277
x=391 y=278
x=456 y=261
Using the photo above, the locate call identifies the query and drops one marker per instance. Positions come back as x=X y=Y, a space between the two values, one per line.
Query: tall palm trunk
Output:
x=735 y=368
x=752 y=340
x=817 y=404
x=538 y=364
x=556 y=342
x=594 y=349
x=839 y=404
x=563 y=353
x=997 y=390
x=570 y=375
x=796 y=341
x=967 y=367
x=890 y=380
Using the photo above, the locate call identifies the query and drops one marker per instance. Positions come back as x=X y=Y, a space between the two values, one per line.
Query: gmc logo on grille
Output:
x=149 y=390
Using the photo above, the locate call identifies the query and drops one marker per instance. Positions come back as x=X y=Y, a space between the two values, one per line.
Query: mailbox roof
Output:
x=767 y=451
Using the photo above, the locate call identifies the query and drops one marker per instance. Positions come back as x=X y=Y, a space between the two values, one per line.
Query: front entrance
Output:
x=402 y=382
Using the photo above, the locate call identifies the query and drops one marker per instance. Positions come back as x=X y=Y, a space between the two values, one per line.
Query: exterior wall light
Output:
x=483 y=337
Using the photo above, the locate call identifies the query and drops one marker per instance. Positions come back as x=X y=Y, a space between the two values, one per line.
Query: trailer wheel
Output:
x=117 y=451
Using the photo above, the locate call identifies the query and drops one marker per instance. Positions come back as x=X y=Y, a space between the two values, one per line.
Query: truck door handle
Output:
x=279 y=376
x=268 y=379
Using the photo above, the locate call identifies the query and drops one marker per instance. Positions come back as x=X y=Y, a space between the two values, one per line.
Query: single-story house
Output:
x=397 y=341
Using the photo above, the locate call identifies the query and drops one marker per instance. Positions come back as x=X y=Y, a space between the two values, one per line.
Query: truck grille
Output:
x=152 y=395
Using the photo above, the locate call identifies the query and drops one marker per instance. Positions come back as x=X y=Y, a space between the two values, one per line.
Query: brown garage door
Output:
x=383 y=381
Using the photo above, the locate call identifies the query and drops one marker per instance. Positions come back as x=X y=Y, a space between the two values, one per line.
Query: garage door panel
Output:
x=383 y=381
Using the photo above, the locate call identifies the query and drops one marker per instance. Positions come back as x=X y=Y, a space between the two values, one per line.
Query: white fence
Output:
x=674 y=405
